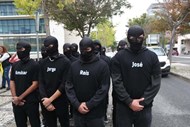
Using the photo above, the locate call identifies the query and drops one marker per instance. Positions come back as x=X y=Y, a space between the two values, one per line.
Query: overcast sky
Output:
x=138 y=8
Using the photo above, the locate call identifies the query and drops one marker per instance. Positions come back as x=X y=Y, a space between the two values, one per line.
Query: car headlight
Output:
x=167 y=61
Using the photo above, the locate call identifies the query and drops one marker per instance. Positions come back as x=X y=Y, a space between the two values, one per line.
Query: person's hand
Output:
x=14 y=55
x=46 y=102
x=135 y=106
x=18 y=101
x=83 y=109
x=50 y=107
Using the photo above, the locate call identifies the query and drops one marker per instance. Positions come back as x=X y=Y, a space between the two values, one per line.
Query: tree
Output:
x=82 y=15
x=104 y=33
x=150 y=24
x=142 y=21
x=29 y=7
x=175 y=13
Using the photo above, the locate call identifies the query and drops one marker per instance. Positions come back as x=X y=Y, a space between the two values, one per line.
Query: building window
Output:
x=20 y=26
x=7 y=9
x=10 y=42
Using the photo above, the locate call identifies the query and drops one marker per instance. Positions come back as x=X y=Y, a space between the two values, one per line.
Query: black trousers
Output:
x=85 y=122
x=125 y=117
x=61 y=113
x=28 y=110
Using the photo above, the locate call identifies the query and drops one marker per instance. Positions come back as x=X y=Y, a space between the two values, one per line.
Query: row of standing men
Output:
x=84 y=84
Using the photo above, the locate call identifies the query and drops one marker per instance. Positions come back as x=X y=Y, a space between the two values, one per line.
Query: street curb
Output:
x=180 y=76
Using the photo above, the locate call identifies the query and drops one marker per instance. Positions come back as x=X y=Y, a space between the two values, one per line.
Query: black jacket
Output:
x=136 y=75
x=53 y=75
x=88 y=82
x=23 y=74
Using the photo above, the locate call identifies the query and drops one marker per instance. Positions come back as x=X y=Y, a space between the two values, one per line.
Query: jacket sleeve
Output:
x=102 y=91
x=70 y=92
x=154 y=87
x=4 y=57
x=117 y=81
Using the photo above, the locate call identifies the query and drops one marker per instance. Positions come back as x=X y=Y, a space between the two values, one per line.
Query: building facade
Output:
x=15 y=28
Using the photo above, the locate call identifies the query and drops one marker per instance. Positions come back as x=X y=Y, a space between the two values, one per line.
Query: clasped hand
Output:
x=18 y=101
x=83 y=109
x=48 y=104
x=135 y=105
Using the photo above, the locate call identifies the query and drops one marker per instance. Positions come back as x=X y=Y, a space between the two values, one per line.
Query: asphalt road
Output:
x=172 y=104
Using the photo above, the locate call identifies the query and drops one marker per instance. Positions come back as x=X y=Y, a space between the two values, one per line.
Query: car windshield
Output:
x=158 y=51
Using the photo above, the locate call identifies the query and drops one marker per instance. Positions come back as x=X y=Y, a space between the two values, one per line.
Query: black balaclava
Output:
x=134 y=38
x=67 y=50
x=23 y=51
x=74 y=49
x=121 y=45
x=51 y=45
x=43 y=52
x=86 y=56
x=103 y=52
x=97 y=47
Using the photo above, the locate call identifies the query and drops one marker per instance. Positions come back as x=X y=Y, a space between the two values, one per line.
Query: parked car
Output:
x=163 y=59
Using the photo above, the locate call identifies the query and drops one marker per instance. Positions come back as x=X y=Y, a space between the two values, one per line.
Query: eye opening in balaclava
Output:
x=23 y=51
x=135 y=38
x=87 y=49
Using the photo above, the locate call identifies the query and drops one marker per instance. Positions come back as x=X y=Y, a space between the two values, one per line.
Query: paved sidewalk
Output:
x=181 y=70
x=6 y=113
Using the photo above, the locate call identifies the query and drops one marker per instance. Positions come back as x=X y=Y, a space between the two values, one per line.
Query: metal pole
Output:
x=37 y=42
x=37 y=30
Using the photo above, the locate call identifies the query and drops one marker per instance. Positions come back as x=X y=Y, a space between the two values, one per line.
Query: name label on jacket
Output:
x=137 y=65
x=20 y=72
x=84 y=72
x=51 y=69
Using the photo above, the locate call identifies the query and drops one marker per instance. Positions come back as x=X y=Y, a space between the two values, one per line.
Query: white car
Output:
x=163 y=59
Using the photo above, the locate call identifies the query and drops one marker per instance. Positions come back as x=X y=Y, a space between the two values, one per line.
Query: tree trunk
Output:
x=172 y=43
x=46 y=18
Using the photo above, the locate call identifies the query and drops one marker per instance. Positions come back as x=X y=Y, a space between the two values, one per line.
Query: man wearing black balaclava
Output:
x=74 y=49
x=23 y=51
x=44 y=55
x=68 y=52
x=24 y=87
x=53 y=74
x=122 y=45
x=99 y=53
x=97 y=47
x=135 y=38
x=136 y=79
x=87 y=86
x=43 y=52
